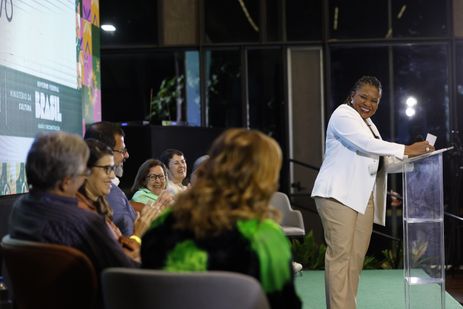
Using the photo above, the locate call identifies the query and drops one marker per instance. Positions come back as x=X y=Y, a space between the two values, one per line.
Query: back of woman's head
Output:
x=246 y=161
x=236 y=182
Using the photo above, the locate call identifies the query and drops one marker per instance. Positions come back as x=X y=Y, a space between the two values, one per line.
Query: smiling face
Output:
x=156 y=180
x=177 y=168
x=365 y=100
x=99 y=182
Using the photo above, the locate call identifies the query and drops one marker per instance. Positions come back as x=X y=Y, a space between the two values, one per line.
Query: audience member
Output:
x=175 y=162
x=113 y=136
x=198 y=163
x=224 y=221
x=150 y=182
x=92 y=196
x=55 y=169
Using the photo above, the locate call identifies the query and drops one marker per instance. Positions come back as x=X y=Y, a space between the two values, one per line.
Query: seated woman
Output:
x=175 y=162
x=150 y=182
x=224 y=221
x=92 y=196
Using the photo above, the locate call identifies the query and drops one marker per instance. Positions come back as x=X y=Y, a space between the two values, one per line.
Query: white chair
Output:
x=147 y=288
x=292 y=222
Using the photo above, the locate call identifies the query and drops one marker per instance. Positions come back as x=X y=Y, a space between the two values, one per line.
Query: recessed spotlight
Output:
x=108 y=28
x=411 y=101
x=410 y=112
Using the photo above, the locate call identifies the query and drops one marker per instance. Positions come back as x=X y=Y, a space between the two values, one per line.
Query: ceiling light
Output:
x=410 y=112
x=108 y=28
x=411 y=101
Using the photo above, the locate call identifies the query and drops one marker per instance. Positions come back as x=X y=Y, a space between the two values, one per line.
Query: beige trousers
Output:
x=347 y=235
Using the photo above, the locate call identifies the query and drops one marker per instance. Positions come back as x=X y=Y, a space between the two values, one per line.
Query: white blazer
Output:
x=349 y=169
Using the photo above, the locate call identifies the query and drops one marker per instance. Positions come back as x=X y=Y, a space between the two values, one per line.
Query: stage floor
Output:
x=378 y=289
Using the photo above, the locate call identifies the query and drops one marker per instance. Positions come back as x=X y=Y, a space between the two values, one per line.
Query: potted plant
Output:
x=167 y=102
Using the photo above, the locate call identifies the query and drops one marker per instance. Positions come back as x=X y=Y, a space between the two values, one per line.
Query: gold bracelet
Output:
x=136 y=238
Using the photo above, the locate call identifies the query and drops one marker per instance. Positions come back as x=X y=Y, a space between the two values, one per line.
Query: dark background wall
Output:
x=242 y=79
x=412 y=46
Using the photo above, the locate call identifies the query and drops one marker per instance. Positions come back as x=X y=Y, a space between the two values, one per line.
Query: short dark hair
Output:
x=364 y=80
x=167 y=154
x=54 y=156
x=104 y=132
x=367 y=80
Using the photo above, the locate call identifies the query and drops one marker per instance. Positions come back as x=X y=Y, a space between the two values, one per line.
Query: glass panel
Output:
x=223 y=101
x=192 y=89
x=273 y=19
x=459 y=83
x=358 y=19
x=419 y=18
x=135 y=23
x=132 y=81
x=421 y=93
x=266 y=111
x=423 y=228
x=231 y=21
x=303 y=20
x=345 y=72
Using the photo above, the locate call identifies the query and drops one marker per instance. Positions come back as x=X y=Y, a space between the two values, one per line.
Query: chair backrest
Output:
x=291 y=221
x=281 y=202
x=49 y=275
x=147 y=288
x=137 y=205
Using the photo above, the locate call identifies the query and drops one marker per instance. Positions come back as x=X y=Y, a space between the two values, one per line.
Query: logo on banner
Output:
x=47 y=107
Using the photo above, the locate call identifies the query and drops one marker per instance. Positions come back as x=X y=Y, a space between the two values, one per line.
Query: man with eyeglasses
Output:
x=113 y=136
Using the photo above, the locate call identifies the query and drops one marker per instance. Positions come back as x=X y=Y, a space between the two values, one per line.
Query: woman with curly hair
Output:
x=224 y=222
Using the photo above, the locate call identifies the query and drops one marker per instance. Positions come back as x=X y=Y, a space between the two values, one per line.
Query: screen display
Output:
x=47 y=77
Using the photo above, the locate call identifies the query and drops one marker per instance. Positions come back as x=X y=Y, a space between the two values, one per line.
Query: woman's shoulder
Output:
x=261 y=230
x=344 y=110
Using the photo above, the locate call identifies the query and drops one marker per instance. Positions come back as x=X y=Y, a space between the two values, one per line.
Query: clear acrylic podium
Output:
x=423 y=231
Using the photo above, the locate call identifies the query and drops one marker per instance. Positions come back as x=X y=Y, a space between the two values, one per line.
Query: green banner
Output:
x=29 y=104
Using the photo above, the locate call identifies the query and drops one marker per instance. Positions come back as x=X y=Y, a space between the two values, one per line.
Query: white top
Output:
x=349 y=170
x=174 y=189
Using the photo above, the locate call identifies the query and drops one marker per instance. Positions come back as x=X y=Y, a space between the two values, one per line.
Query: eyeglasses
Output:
x=122 y=151
x=153 y=177
x=107 y=168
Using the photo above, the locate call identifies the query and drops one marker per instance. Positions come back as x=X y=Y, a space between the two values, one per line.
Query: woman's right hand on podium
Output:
x=418 y=148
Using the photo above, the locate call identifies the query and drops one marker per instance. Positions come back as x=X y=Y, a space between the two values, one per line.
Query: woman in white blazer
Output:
x=350 y=189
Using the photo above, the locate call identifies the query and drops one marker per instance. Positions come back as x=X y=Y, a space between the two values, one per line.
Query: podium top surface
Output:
x=397 y=165
x=425 y=155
